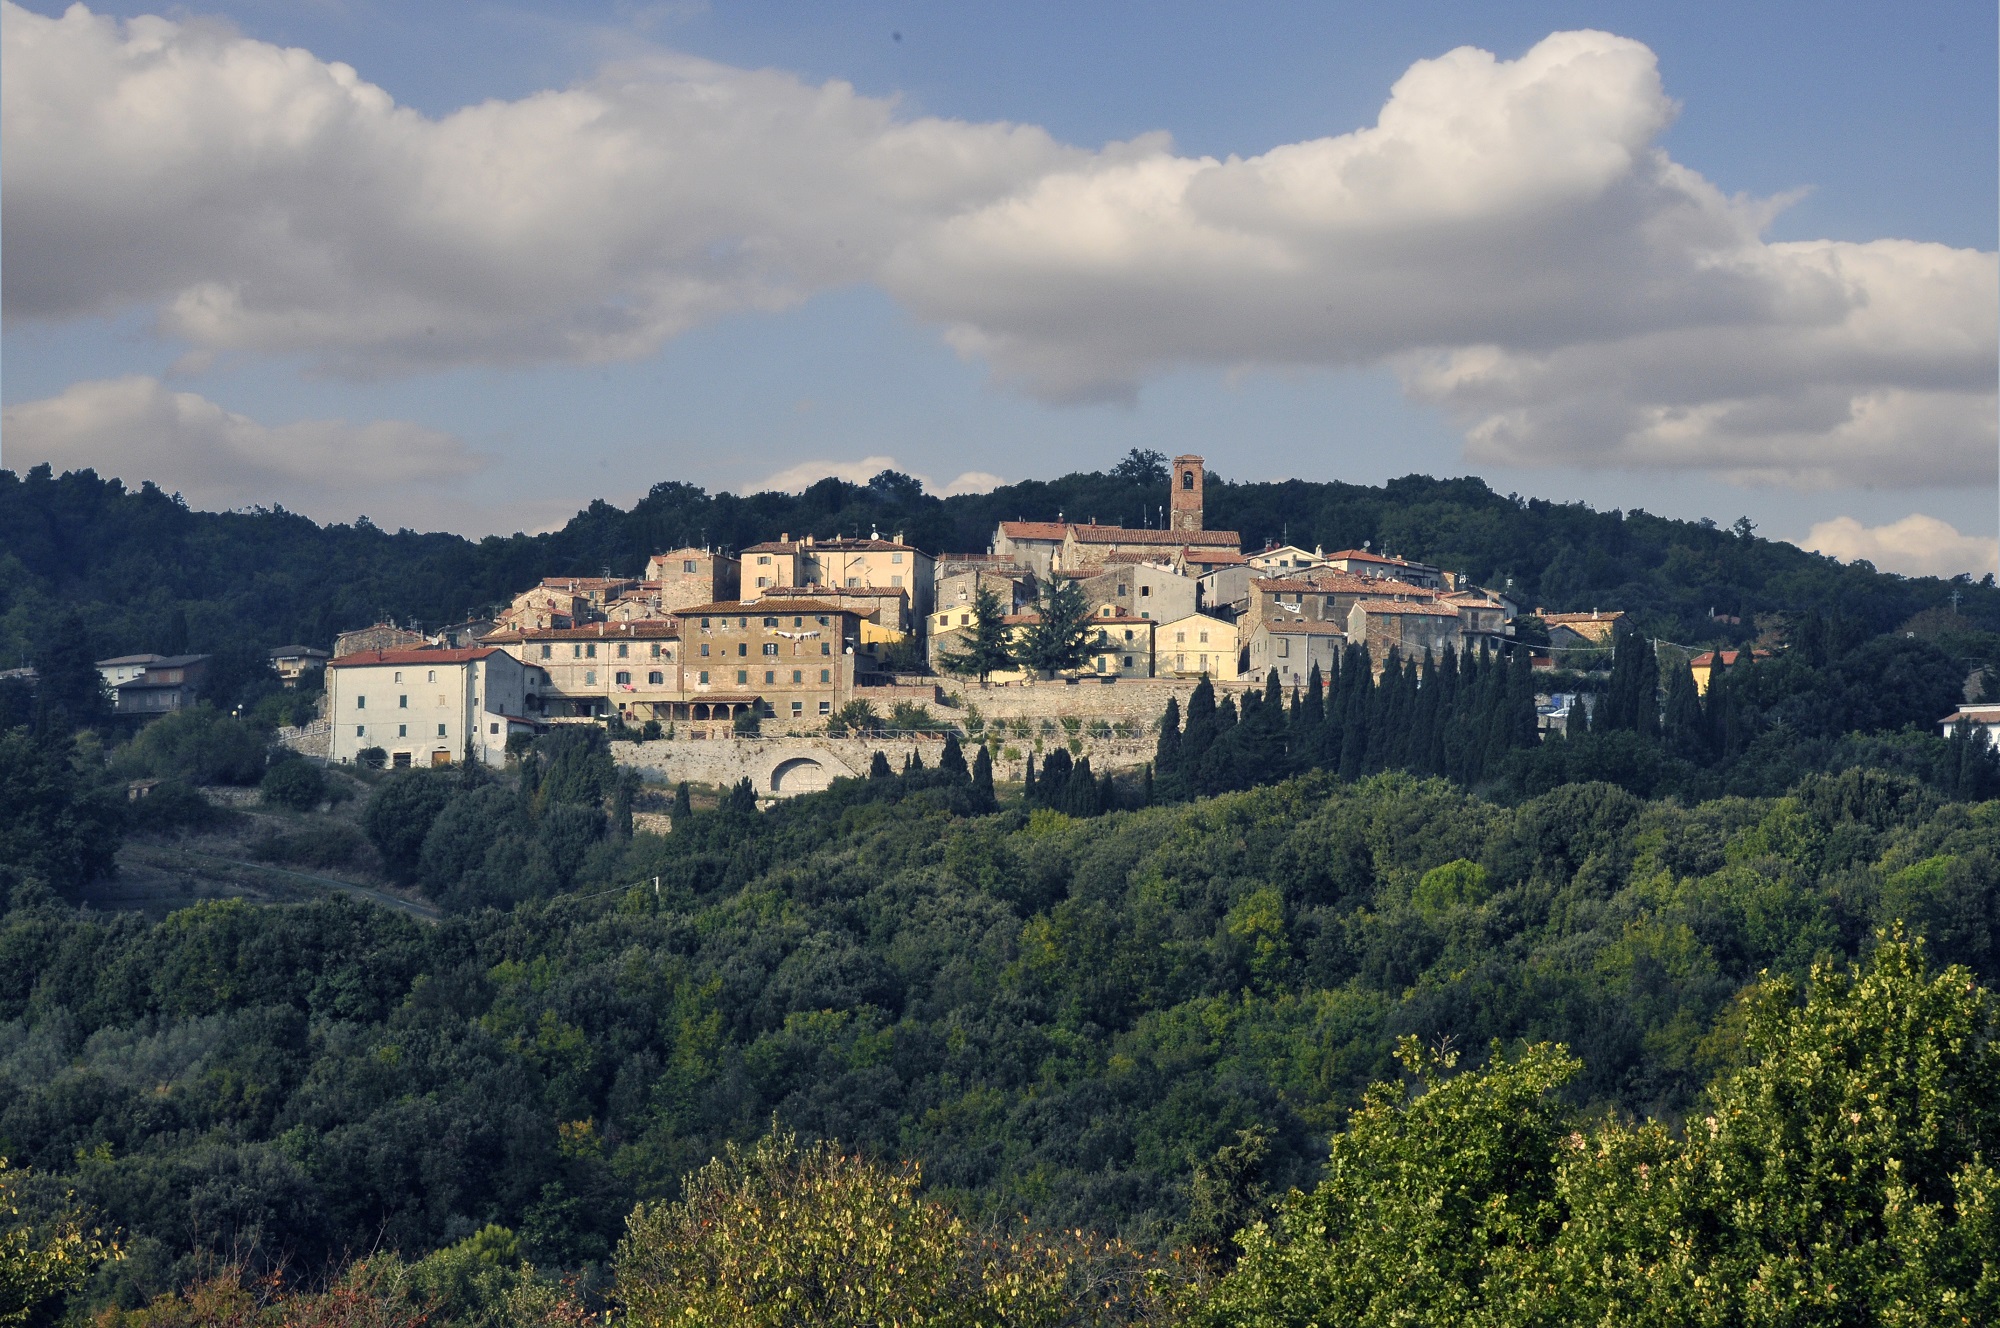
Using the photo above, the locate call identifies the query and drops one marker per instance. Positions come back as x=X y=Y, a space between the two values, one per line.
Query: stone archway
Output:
x=799 y=774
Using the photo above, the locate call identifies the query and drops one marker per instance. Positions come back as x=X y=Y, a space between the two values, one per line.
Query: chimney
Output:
x=784 y=537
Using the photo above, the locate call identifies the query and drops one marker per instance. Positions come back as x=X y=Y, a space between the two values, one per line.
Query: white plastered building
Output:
x=426 y=707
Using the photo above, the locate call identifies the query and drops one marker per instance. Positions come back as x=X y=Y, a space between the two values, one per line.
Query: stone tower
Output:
x=1184 y=511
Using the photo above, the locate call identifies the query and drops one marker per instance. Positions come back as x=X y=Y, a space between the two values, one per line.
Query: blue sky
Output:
x=970 y=343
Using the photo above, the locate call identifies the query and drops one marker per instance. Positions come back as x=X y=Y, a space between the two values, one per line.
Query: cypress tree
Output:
x=1196 y=736
x=1312 y=707
x=683 y=803
x=1424 y=732
x=1107 y=793
x=1522 y=729
x=1683 y=726
x=1146 y=789
x=1028 y=781
x=1079 y=792
x=1357 y=671
x=952 y=761
x=1056 y=767
x=878 y=767
x=982 y=779
x=1167 y=754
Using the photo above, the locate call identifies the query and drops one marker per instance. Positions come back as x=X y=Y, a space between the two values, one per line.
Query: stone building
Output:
x=426 y=707
x=688 y=576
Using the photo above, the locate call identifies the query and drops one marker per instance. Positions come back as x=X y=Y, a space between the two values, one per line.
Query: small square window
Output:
x=655 y=678
x=826 y=647
x=798 y=675
x=440 y=730
x=622 y=678
x=826 y=707
x=687 y=565
x=896 y=558
x=622 y=648
x=770 y=675
x=492 y=728
x=547 y=650
x=590 y=677
x=743 y=676
x=798 y=708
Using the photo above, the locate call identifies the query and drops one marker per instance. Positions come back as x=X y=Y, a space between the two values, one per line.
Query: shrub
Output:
x=173 y=807
x=297 y=785
x=200 y=745
x=400 y=814
x=374 y=758
x=335 y=844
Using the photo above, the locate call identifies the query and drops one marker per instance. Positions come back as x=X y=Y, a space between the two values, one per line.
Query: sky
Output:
x=470 y=266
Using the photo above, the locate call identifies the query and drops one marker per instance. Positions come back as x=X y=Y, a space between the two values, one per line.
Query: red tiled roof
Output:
x=1034 y=530
x=1299 y=627
x=414 y=655
x=729 y=608
x=1405 y=607
x=1169 y=538
x=637 y=629
x=1216 y=557
x=1706 y=659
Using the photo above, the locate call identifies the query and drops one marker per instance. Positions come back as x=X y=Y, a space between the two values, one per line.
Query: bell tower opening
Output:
x=1185 y=501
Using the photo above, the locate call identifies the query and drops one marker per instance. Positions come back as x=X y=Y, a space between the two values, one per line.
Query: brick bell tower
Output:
x=1184 y=510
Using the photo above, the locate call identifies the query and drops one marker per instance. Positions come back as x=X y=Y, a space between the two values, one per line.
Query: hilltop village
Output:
x=1057 y=624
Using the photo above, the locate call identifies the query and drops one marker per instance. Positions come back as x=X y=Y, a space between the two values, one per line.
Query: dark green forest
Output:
x=148 y=573
x=1340 y=990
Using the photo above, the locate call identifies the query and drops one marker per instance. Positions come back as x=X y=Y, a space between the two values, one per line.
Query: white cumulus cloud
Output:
x=138 y=428
x=1508 y=235
x=800 y=477
x=1917 y=545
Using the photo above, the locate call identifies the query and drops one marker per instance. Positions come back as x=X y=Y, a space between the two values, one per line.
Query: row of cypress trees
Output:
x=1455 y=715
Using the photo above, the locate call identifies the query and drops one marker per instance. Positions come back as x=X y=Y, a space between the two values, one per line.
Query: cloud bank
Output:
x=1915 y=546
x=798 y=478
x=1508 y=236
x=138 y=427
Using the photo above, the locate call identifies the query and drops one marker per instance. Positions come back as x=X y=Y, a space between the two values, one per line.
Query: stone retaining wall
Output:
x=783 y=767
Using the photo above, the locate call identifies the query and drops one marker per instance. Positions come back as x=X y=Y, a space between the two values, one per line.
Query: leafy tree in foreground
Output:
x=776 y=1235
x=41 y=1260
x=1843 y=1176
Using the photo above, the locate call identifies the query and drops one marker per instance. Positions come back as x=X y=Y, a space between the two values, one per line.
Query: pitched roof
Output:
x=1610 y=615
x=1215 y=557
x=1364 y=556
x=1033 y=530
x=1298 y=627
x=127 y=659
x=585 y=582
x=729 y=608
x=1335 y=580
x=1405 y=607
x=414 y=655
x=1168 y=538
x=638 y=629
x=292 y=652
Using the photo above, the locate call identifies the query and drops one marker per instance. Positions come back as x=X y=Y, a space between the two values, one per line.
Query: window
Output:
x=964 y=620
x=1284 y=645
x=621 y=650
x=704 y=677
x=590 y=677
x=1180 y=638
x=826 y=707
x=704 y=624
x=821 y=620
x=432 y=676
x=763 y=560
x=770 y=676
x=798 y=622
x=895 y=580
x=742 y=647
x=704 y=650
x=770 y=622
x=656 y=650
x=798 y=709
x=401 y=760
x=1098 y=663
x=547 y=650
x=402 y=730
x=399 y=675
x=1128 y=661
x=1204 y=638
x=622 y=678
x=1145 y=591
x=1128 y=634
x=770 y=647
x=360 y=730
x=590 y=651
x=896 y=558
x=655 y=678
x=1187 y=479
x=1180 y=663
x=360 y=703
x=826 y=675
x=853 y=582
x=1145 y=613
x=743 y=676
x=440 y=730
x=403 y=702
x=687 y=565
x=492 y=728
x=798 y=675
